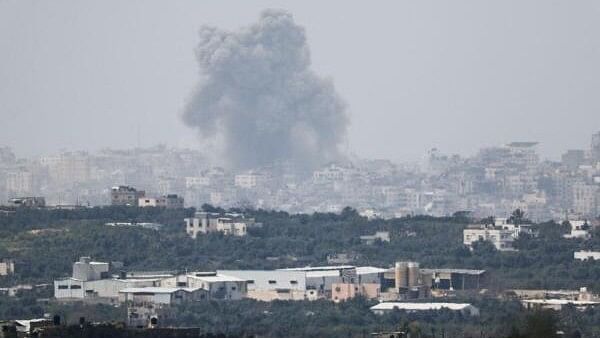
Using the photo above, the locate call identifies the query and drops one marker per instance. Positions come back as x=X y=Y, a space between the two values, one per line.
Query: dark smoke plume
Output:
x=261 y=101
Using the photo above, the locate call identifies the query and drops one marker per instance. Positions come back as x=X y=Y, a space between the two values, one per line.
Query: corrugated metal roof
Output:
x=560 y=302
x=460 y=271
x=420 y=306
x=218 y=278
x=150 y=290
x=362 y=270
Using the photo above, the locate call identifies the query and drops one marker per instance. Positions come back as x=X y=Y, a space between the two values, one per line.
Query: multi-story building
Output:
x=595 y=149
x=125 y=196
x=228 y=224
x=584 y=199
x=67 y=168
x=573 y=158
x=249 y=180
x=20 y=183
x=91 y=281
x=7 y=267
x=501 y=238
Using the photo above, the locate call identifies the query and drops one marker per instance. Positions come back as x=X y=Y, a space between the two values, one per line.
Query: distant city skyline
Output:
x=415 y=75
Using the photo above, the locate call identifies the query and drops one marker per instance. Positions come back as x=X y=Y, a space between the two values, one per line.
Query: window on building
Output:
x=233 y=288
x=294 y=282
x=250 y=282
x=75 y=286
x=272 y=282
x=62 y=287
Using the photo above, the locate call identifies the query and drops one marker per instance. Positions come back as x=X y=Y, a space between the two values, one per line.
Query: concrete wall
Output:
x=68 y=288
x=270 y=280
x=271 y=295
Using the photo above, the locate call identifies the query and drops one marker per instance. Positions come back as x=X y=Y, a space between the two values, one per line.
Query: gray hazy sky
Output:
x=456 y=75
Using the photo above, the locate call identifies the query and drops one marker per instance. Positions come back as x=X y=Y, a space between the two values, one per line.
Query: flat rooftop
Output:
x=320 y=268
x=420 y=306
x=458 y=271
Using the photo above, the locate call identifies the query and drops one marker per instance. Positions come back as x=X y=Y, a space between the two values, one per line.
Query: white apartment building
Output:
x=249 y=180
x=502 y=239
x=196 y=181
x=228 y=224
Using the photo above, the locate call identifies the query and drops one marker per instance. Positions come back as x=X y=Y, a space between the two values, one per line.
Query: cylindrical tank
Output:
x=413 y=274
x=427 y=279
x=401 y=275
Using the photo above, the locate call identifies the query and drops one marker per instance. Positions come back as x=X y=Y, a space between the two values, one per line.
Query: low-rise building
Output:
x=383 y=236
x=516 y=229
x=91 y=281
x=29 y=326
x=386 y=307
x=586 y=255
x=218 y=286
x=345 y=291
x=579 y=229
x=27 y=202
x=143 y=225
x=322 y=278
x=160 y=295
x=171 y=201
x=557 y=304
x=455 y=279
x=148 y=307
x=271 y=285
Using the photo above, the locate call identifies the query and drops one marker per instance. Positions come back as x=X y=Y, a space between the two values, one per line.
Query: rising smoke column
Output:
x=260 y=99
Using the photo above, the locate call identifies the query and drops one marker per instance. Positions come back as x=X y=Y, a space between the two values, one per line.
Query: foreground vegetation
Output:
x=348 y=319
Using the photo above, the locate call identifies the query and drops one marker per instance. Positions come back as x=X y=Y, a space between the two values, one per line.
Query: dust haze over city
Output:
x=288 y=168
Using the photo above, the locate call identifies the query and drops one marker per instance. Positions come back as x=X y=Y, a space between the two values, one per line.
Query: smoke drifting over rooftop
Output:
x=259 y=98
